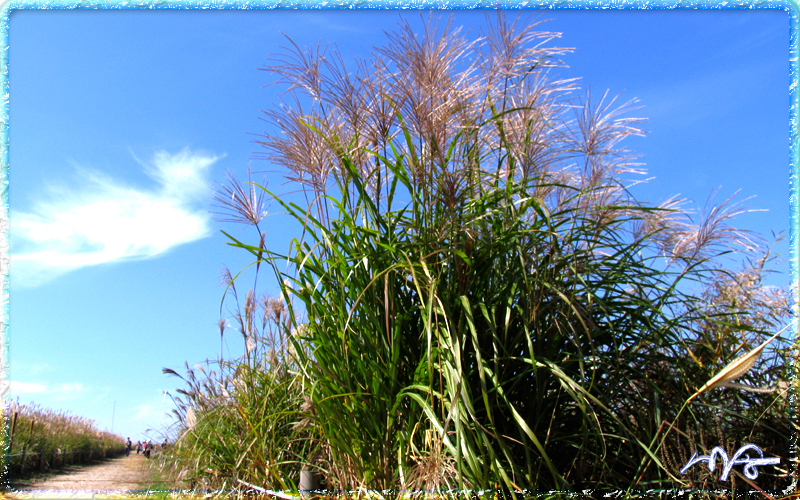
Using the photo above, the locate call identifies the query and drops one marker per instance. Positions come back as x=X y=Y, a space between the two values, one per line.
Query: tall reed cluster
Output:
x=240 y=420
x=40 y=435
x=477 y=300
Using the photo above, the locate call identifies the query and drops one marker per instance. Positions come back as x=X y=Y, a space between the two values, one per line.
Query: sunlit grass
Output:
x=477 y=303
x=56 y=435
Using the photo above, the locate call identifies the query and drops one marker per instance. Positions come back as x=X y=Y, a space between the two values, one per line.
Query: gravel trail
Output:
x=114 y=475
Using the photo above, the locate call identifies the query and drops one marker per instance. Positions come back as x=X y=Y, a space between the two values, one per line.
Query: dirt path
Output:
x=115 y=475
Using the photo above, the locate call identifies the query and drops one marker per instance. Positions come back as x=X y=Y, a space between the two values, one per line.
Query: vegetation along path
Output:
x=118 y=474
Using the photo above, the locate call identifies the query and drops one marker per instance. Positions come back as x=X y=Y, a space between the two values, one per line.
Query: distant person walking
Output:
x=138 y=447
x=128 y=447
x=147 y=447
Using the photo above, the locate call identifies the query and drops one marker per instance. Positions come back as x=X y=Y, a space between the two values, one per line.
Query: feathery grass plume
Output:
x=299 y=68
x=240 y=203
x=221 y=324
x=662 y=225
x=513 y=50
x=306 y=154
x=378 y=102
x=600 y=128
x=432 y=94
x=191 y=418
x=713 y=232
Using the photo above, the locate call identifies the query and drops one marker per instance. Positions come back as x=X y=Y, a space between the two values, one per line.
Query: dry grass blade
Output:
x=736 y=368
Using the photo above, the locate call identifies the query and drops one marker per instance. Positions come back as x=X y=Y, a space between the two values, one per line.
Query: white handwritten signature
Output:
x=750 y=464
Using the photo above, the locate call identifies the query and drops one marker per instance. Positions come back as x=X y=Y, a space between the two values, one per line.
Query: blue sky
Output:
x=122 y=123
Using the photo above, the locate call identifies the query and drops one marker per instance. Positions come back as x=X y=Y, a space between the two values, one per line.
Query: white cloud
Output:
x=105 y=221
x=71 y=388
x=72 y=392
x=146 y=412
x=18 y=388
x=60 y=392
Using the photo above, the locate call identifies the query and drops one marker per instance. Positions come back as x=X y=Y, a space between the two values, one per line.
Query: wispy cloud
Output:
x=154 y=415
x=716 y=93
x=60 y=392
x=148 y=412
x=105 y=221
x=25 y=388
